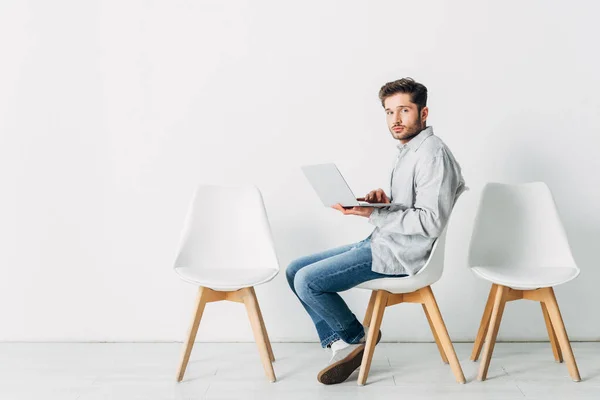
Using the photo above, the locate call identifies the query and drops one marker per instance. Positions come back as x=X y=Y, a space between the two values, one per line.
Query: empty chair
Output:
x=519 y=245
x=411 y=289
x=226 y=249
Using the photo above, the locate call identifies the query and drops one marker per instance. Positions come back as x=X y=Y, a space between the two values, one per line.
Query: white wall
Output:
x=111 y=112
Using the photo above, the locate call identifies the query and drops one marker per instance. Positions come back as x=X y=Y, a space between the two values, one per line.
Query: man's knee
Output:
x=292 y=270
x=303 y=283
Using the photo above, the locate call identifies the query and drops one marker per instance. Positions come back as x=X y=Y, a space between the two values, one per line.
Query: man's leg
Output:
x=325 y=332
x=317 y=285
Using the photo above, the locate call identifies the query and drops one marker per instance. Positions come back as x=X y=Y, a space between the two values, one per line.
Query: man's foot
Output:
x=345 y=360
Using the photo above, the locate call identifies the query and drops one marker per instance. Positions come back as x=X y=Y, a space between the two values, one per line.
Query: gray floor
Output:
x=232 y=371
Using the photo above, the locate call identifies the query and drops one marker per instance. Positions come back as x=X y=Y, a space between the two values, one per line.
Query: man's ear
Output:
x=424 y=114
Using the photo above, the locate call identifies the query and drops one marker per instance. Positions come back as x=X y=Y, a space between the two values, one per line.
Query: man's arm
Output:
x=437 y=183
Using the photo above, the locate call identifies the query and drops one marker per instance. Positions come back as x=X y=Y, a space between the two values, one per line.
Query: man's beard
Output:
x=410 y=131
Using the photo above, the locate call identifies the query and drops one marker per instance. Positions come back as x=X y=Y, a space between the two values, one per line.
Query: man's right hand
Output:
x=375 y=196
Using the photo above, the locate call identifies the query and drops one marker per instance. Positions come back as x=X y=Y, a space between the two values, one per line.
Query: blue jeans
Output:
x=317 y=279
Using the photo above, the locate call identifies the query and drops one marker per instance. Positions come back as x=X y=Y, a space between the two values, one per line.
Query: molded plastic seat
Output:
x=518 y=239
x=227 y=243
x=220 y=279
x=526 y=277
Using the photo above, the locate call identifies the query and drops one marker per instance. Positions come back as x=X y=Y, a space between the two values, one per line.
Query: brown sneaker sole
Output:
x=340 y=371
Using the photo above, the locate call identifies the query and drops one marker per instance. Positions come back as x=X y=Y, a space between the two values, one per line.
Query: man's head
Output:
x=405 y=104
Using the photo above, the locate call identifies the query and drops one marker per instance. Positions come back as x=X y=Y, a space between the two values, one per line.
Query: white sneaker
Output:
x=345 y=359
x=340 y=350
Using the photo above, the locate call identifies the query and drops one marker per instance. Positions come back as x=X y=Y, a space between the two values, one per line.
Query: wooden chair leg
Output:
x=369 y=312
x=264 y=329
x=203 y=293
x=441 y=331
x=492 y=332
x=561 y=333
x=253 y=311
x=381 y=297
x=552 y=335
x=483 y=326
x=435 y=336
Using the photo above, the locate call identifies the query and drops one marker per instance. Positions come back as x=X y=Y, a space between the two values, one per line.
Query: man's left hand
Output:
x=360 y=211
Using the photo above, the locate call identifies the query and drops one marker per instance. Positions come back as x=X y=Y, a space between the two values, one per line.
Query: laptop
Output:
x=331 y=187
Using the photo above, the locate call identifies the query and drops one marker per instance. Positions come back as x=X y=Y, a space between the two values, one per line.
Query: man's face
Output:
x=403 y=117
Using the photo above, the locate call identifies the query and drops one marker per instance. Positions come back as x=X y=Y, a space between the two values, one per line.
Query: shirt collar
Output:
x=418 y=140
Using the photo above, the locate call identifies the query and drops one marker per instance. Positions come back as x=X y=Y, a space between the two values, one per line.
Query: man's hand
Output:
x=360 y=211
x=376 y=196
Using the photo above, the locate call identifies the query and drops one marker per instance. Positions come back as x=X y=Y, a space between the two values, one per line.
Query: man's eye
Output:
x=405 y=110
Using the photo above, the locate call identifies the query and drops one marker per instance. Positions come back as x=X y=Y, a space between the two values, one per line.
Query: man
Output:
x=425 y=182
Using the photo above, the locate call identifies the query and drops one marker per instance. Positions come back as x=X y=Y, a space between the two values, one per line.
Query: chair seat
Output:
x=224 y=279
x=526 y=278
x=405 y=284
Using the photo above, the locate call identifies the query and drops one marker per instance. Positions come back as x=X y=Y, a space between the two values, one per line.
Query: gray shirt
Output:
x=426 y=181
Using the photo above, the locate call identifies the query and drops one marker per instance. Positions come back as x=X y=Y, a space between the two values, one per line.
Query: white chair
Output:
x=226 y=250
x=411 y=289
x=519 y=245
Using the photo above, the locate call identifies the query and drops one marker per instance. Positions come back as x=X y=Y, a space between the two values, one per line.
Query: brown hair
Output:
x=417 y=91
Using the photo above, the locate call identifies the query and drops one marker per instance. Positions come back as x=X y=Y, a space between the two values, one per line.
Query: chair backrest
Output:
x=518 y=226
x=434 y=267
x=227 y=227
